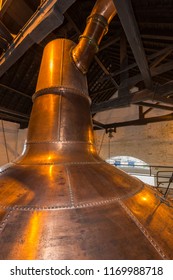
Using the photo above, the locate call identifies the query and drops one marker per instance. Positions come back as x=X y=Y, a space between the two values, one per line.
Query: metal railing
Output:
x=162 y=175
x=166 y=178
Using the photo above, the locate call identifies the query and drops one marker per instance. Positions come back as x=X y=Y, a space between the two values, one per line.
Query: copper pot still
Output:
x=60 y=200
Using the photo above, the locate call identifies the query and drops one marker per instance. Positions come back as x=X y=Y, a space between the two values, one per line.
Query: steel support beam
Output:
x=109 y=43
x=157 y=37
x=98 y=124
x=156 y=106
x=16 y=91
x=104 y=69
x=4 y=33
x=150 y=57
x=10 y=118
x=14 y=116
x=137 y=122
x=159 y=59
x=154 y=72
x=123 y=89
x=141 y=112
x=15 y=113
x=147 y=111
x=48 y=17
x=143 y=121
x=128 y=21
x=136 y=97
x=94 y=93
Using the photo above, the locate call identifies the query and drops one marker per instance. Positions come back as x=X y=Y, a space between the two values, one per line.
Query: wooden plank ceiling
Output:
x=136 y=53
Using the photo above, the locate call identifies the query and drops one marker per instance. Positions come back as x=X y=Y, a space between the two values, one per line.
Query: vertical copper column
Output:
x=60 y=125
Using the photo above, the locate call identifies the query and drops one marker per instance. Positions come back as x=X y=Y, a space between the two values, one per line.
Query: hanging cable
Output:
x=16 y=148
x=5 y=142
x=99 y=150
x=110 y=135
x=109 y=147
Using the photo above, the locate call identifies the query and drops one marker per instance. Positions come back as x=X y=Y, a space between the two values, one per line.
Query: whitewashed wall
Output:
x=14 y=139
x=11 y=136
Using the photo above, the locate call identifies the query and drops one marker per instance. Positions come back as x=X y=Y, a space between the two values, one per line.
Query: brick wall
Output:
x=152 y=143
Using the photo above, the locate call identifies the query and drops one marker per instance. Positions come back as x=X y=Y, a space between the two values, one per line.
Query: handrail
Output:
x=159 y=176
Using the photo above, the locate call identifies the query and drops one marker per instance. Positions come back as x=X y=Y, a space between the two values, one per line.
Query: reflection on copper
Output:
x=32 y=236
x=28 y=246
x=50 y=171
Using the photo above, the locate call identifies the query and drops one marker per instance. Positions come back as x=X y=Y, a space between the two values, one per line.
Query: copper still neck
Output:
x=60 y=121
x=60 y=125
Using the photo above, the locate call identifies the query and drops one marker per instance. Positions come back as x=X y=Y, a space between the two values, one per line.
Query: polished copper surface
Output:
x=60 y=200
x=97 y=26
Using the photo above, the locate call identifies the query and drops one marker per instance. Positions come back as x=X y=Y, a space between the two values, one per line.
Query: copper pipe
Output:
x=97 y=26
